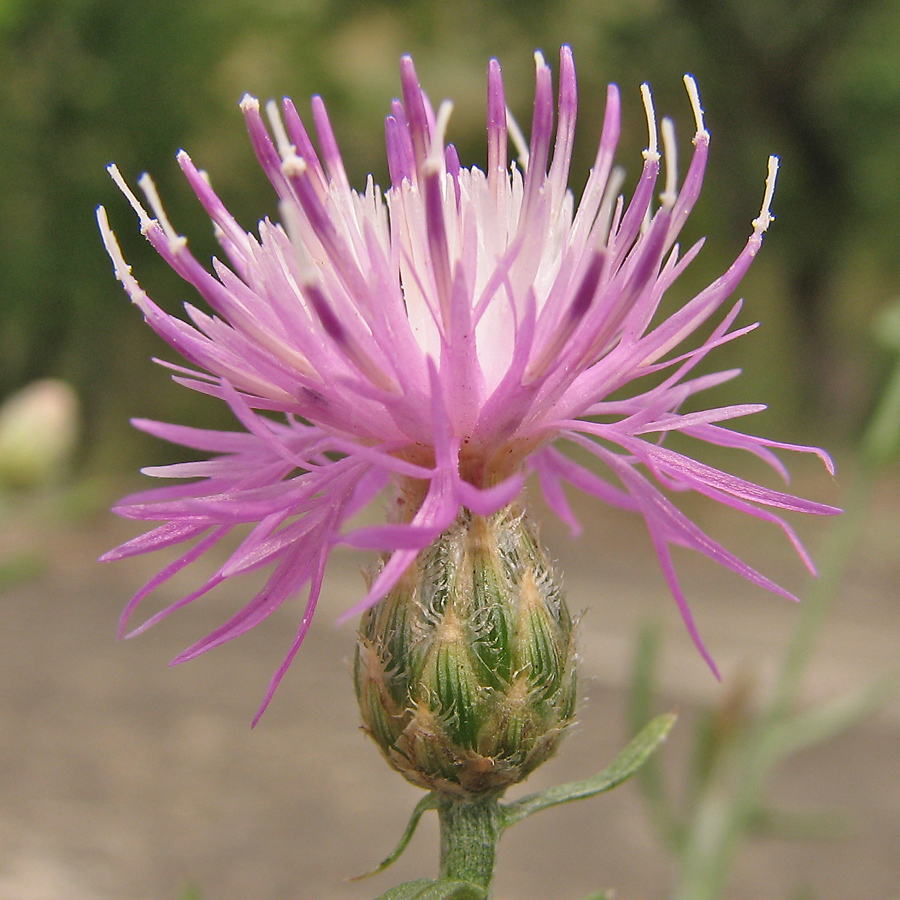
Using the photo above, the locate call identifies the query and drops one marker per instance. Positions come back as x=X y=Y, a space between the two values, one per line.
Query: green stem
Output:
x=470 y=831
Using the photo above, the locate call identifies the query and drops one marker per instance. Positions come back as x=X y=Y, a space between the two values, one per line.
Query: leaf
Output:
x=429 y=801
x=20 y=569
x=802 y=825
x=621 y=768
x=881 y=437
x=641 y=701
x=429 y=889
x=825 y=722
x=642 y=693
x=191 y=893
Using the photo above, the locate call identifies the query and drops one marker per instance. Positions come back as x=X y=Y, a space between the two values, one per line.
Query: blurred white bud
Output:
x=38 y=432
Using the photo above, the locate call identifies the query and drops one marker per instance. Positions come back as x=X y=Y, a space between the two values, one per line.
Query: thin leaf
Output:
x=191 y=893
x=881 y=439
x=804 y=893
x=719 y=733
x=622 y=768
x=429 y=801
x=642 y=693
x=20 y=569
x=641 y=700
x=802 y=825
x=429 y=889
x=824 y=722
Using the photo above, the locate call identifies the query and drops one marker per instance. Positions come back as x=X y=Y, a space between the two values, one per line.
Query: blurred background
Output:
x=121 y=779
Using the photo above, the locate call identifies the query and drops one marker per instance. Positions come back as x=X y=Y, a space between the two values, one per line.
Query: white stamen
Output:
x=143 y=216
x=766 y=217
x=652 y=151
x=434 y=162
x=670 y=150
x=294 y=226
x=518 y=139
x=120 y=267
x=176 y=241
x=285 y=147
x=445 y=110
x=604 y=214
x=293 y=166
x=248 y=102
x=694 y=97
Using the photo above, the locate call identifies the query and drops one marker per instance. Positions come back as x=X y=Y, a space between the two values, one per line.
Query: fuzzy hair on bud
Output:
x=465 y=671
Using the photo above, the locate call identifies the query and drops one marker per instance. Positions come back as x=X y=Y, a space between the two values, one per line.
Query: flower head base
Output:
x=443 y=337
x=465 y=671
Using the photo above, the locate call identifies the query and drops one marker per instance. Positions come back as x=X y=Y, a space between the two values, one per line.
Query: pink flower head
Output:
x=445 y=336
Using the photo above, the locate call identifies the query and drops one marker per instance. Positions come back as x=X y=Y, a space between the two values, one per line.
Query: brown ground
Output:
x=121 y=779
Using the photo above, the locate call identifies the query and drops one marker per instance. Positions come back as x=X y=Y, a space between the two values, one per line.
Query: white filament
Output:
x=285 y=148
x=176 y=241
x=670 y=149
x=434 y=162
x=518 y=139
x=652 y=151
x=694 y=97
x=120 y=267
x=143 y=216
x=610 y=195
x=766 y=217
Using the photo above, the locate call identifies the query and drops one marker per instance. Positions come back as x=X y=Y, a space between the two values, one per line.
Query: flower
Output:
x=443 y=337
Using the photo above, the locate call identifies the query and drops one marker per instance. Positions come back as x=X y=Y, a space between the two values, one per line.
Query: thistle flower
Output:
x=442 y=338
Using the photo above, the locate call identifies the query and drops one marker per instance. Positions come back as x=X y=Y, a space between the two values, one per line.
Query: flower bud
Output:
x=38 y=432
x=465 y=671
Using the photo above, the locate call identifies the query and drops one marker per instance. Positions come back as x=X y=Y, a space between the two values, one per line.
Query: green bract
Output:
x=465 y=672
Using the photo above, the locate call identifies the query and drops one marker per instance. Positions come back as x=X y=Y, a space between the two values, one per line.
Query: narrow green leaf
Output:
x=429 y=889
x=804 y=893
x=621 y=768
x=191 y=893
x=20 y=569
x=641 y=702
x=642 y=690
x=429 y=801
x=802 y=825
x=881 y=438
x=824 y=722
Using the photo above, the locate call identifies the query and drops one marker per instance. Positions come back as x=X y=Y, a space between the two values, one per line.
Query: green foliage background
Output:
x=86 y=82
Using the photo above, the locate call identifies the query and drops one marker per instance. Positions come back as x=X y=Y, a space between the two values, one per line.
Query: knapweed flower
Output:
x=442 y=338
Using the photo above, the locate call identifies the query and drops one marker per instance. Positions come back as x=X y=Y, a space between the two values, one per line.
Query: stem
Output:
x=470 y=830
